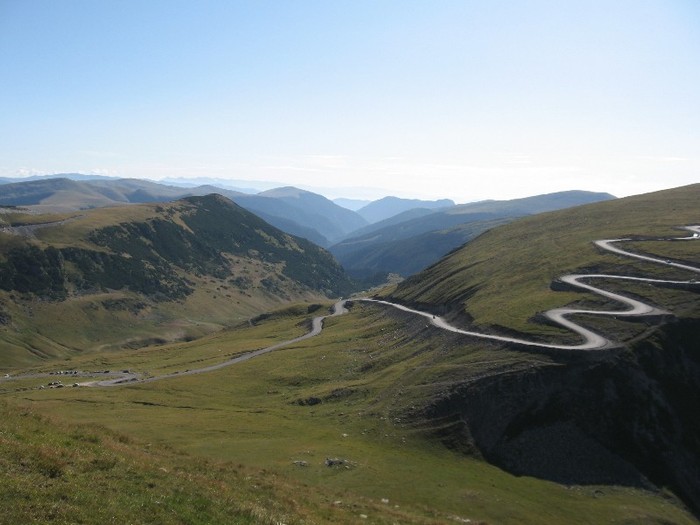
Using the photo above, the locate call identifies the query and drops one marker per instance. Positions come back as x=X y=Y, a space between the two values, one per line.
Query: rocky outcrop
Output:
x=625 y=417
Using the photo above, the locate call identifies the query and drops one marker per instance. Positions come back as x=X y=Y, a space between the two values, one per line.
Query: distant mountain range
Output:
x=408 y=242
x=333 y=221
x=390 y=206
x=71 y=176
x=298 y=212
x=295 y=211
x=351 y=204
x=70 y=194
x=390 y=235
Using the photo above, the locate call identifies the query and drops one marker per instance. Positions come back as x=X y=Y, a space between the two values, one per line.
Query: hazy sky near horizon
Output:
x=460 y=99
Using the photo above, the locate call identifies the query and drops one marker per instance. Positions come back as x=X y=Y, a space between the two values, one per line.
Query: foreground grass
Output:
x=59 y=473
x=339 y=395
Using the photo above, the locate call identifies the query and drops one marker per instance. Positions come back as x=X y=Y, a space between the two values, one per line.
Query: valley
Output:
x=138 y=275
x=592 y=341
x=301 y=411
x=329 y=263
x=250 y=424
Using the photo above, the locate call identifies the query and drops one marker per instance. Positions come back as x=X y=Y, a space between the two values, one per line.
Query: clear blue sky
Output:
x=461 y=99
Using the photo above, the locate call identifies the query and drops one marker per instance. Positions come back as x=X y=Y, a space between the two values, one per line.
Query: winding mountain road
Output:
x=316 y=327
x=130 y=378
x=591 y=340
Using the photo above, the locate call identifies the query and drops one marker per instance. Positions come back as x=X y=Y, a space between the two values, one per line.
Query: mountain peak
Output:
x=390 y=206
x=286 y=191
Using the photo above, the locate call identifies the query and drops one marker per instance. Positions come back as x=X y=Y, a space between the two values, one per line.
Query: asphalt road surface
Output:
x=591 y=340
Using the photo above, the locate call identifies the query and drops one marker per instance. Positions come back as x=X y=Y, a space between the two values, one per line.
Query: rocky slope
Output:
x=622 y=418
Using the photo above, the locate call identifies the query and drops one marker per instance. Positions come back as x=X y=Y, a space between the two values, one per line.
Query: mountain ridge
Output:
x=432 y=235
x=295 y=216
x=389 y=206
x=202 y=255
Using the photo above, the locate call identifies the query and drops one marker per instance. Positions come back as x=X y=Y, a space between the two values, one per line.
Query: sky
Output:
x=458 y=99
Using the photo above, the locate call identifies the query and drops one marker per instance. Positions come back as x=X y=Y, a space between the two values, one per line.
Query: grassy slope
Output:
x=56 y=472
x=503 y=277
x=55 y=194
x=60 y=473
x=367 y=369
x=370 y=370
x=36 y=328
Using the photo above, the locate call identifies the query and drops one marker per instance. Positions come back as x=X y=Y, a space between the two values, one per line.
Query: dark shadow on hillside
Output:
x=623 y=417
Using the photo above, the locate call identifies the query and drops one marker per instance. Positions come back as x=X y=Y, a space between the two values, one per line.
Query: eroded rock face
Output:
x=625 y=417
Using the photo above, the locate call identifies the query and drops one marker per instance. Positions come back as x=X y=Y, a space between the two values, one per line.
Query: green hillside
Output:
x=54 y=195
x=60 y=194
x=515 y=264
x=363 y=392
x=427 y=426
x=638 y=400
x=59 y=473
x=132 y=275
x=388 y=207
x=297 y=212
